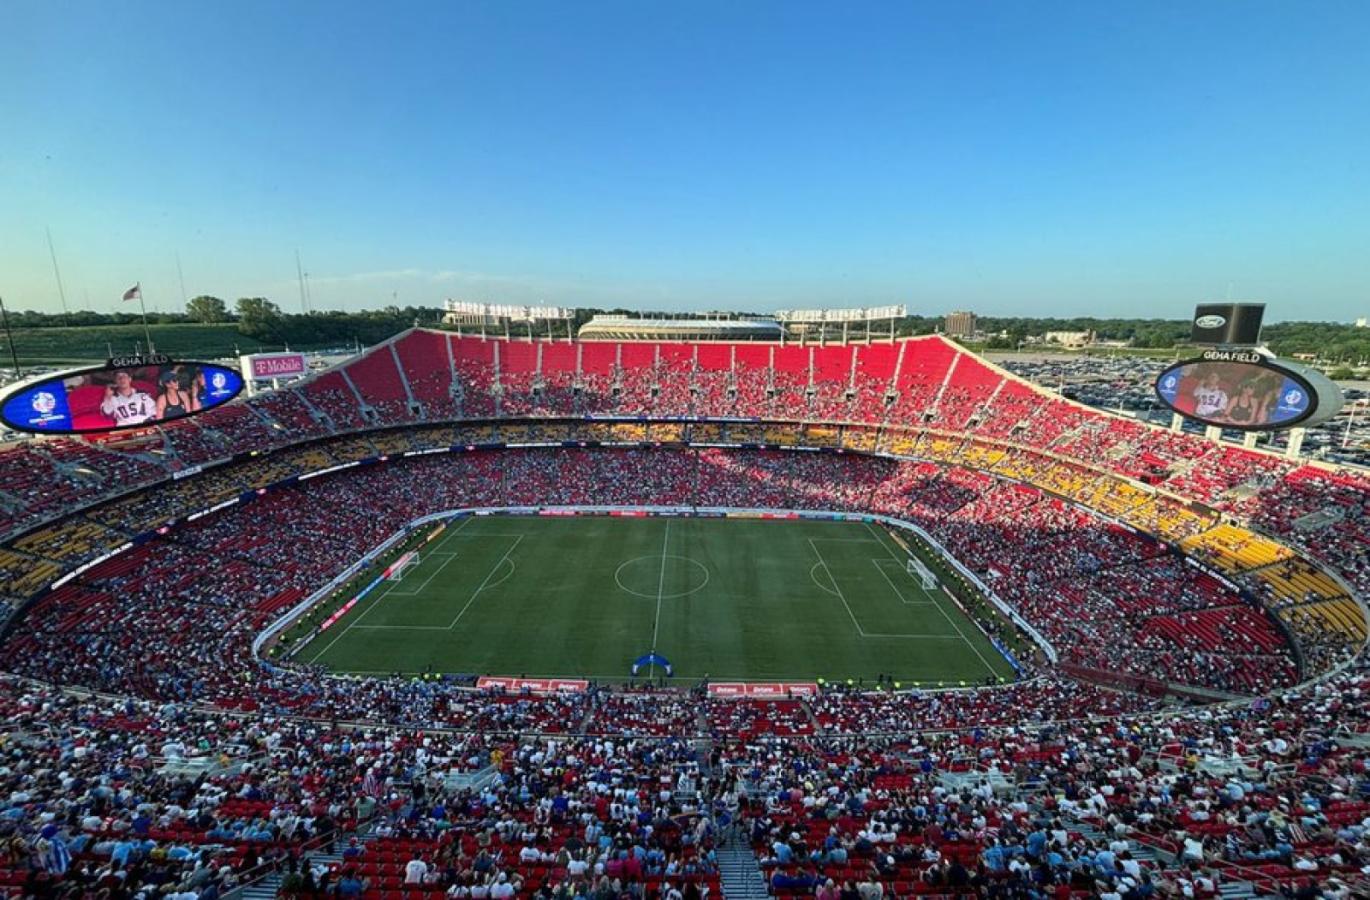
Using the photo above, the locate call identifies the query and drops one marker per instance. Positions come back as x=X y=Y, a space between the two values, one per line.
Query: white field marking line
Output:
x=512 y=569
x=385 y=592
x=618 y=579
x=891 y=582
x=342 y=633
x=843 y=540
x=660 y=586
x=400 y=627
x=497 y=534
x=950 y=620
x=918 y=637
x=454 y=532
x=518 y=540
x=616 y=677
x=381 y=595
x=447 y=558
x=859 y=630
x=354 y=621
x=329 y=645
x=813 y=576
x=390 y=589
x=878 y=563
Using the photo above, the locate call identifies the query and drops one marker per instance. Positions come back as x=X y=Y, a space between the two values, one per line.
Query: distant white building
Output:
x=1069 y=338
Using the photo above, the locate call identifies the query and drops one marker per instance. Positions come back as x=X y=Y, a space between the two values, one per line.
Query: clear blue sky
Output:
x=1013 y=158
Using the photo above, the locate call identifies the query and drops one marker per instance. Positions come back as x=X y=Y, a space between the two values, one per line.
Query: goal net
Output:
x=402 y=565
x=922 y=573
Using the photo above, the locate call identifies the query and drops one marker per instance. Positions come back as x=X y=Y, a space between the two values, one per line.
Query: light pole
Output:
x=9 y=336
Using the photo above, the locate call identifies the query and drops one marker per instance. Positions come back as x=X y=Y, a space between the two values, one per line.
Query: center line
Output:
x=660 y=584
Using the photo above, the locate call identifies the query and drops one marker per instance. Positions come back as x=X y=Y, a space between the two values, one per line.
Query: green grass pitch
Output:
x=734 y=599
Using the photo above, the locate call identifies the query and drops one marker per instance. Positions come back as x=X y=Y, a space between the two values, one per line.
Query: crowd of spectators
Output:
x=118 y=796
x=1107 y=599
x=204 y=766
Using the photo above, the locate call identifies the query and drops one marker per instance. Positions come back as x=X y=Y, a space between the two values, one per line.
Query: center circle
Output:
x=646 y=572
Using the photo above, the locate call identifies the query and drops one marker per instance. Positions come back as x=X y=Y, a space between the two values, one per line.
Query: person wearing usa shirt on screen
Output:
x=1210 y=399
x=125 y=403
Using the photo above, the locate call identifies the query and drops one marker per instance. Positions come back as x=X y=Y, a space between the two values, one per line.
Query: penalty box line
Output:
x=860 y=631
x=385 y=592
x=486 y=581
x=837 y=587
x=940 y=608
x=880 y=567
x=436 y=551
x=485 y=584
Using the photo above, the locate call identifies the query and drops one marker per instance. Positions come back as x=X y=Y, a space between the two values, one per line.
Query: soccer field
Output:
x=733 y=599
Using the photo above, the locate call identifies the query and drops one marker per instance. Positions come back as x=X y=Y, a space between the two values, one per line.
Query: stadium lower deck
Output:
x=1163 y=571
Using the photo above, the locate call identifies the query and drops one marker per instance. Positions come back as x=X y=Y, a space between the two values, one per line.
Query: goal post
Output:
x=922 y=573
x=399 y=567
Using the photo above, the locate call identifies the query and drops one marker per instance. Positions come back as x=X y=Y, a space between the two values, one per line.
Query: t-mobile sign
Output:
x=275 y=365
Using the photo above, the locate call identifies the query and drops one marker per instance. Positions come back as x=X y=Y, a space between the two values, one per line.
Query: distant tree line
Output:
x=261 y=319
x=255 y=317
x=1332 y=342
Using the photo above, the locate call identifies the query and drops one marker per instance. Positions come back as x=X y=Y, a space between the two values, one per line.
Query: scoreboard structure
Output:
x=127 y=392
x=1236 y=385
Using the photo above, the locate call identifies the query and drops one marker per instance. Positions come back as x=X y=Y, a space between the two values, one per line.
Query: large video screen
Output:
x=109 y=398
x=1243 y=395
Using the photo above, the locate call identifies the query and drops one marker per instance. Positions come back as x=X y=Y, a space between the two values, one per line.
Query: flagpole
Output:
x=147 y=332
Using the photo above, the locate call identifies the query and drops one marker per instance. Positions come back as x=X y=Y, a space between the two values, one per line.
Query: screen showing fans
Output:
x=110 y=398
x=1242 y=395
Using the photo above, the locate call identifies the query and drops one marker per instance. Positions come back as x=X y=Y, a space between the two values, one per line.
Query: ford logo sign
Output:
x=1210 y=321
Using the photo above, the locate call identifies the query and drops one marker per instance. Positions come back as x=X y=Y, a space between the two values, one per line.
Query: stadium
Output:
x=766 y=613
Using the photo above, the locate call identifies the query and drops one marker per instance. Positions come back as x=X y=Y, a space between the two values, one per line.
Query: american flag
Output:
x=135 y=292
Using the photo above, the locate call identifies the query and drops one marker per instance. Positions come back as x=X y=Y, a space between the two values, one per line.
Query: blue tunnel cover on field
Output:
x=652 y=659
